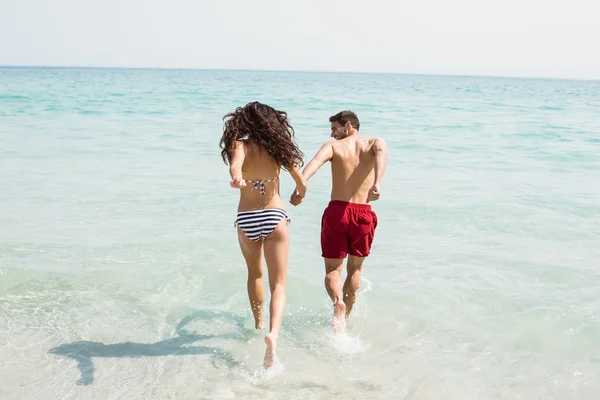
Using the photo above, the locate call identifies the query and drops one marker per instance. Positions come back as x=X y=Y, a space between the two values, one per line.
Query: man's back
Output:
x=357 y=163
x=352 y=169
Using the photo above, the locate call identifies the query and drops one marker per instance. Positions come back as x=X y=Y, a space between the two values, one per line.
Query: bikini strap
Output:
x=260 y=184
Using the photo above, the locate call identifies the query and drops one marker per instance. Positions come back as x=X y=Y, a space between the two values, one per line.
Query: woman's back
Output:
x=261 y=173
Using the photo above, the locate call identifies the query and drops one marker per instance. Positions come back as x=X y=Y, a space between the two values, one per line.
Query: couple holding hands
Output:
x=257 y=142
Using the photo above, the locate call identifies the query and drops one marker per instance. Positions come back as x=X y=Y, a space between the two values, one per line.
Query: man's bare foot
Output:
x=338 y=325
x=270 y=357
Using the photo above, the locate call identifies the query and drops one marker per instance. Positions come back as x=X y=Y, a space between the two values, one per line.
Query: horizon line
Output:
x=5 y=66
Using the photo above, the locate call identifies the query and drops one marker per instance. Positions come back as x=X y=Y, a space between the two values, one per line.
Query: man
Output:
x=348 y=223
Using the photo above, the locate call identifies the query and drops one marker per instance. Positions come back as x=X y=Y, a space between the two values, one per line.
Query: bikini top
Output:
x=260 y=184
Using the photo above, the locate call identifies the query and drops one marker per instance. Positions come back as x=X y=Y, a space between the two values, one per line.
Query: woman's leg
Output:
x=252 y=252
x=276 y=256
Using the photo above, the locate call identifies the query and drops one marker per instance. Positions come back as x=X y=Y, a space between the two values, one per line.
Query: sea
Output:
x=121 y=275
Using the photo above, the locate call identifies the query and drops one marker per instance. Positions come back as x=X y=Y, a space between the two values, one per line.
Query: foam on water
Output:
x=344 y=342
x=266 y=374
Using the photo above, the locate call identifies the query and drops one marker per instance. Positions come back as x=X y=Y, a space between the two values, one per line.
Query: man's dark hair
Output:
x=346 y=116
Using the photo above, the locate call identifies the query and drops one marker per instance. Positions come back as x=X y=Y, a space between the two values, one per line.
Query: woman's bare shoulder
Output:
x=239 y=144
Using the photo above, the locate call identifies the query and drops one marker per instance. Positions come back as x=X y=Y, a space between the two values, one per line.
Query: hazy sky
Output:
x=539 y=38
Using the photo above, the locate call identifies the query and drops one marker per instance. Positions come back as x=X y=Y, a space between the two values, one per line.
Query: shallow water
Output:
x=120 y=275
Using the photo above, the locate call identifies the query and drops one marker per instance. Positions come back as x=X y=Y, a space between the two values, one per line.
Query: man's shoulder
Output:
x=372 y=140
x=369 y=143
x=330 y=145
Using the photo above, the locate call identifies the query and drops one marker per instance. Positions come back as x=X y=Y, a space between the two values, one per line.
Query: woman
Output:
x=257 y=142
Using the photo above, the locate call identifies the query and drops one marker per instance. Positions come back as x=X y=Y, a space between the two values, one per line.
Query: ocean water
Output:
x=121 y=276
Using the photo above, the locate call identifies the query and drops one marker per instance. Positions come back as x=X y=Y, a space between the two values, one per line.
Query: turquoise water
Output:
x=121 y=277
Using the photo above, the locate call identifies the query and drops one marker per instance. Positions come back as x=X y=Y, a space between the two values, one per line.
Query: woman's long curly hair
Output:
x=265 y=126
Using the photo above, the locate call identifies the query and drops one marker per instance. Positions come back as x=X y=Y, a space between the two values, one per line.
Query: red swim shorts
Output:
x=347 y=228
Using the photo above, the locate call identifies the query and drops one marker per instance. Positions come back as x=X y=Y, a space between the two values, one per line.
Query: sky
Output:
x=526 y=38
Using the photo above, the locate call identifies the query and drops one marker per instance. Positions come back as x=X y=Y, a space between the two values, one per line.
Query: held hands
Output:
x=237 y=183
x=296 y=198
x=298 y=195
x=373 y=193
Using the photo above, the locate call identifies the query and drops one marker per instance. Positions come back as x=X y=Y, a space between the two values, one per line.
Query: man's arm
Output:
x=238 y=154
x=324 y=154
x=379 y=148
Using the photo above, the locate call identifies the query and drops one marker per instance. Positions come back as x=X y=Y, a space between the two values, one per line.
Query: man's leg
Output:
x=361 y=235
x=334 y=247
x=333 y=284
x=352 y=282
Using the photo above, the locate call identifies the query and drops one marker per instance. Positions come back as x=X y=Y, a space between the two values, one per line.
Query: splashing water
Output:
x=344 y=342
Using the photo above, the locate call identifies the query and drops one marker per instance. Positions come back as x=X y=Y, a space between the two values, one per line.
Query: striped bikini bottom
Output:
x=258 y=224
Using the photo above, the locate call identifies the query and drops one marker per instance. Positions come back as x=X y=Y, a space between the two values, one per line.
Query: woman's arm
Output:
x=300 y=181
x=238 y=154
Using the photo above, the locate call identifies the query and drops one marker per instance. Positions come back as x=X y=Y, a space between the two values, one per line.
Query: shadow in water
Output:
x=83 y=352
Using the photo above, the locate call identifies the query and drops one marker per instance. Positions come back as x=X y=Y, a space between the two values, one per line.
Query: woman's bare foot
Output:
x=338 y=325
x=270 y=357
